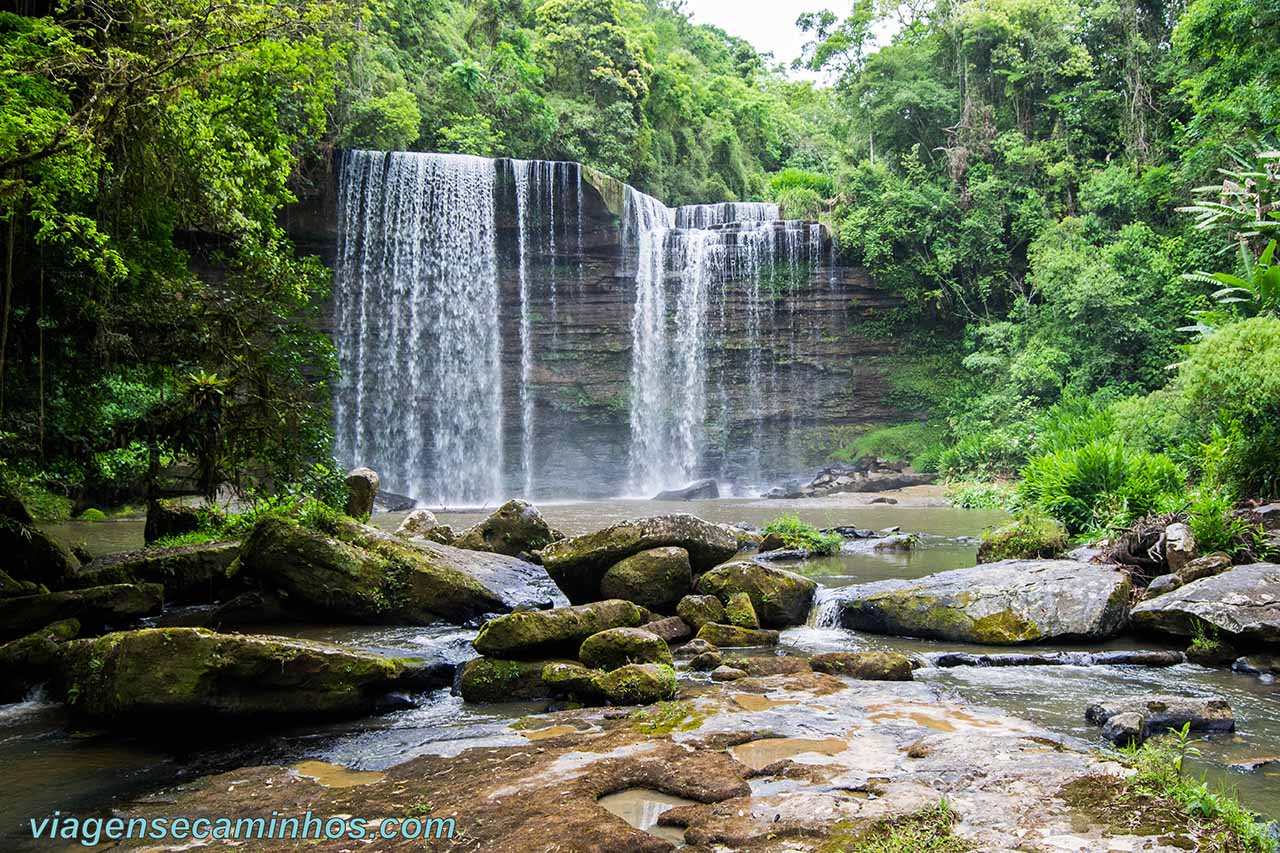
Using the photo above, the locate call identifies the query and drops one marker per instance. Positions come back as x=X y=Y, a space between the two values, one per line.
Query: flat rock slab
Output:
x=1243 y=603
x=1004 y=603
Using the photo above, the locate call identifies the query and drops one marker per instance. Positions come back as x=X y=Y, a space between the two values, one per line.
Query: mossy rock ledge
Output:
x=190 y=574
x=578 y=564
x=96 y=608
x=176 y=674
x=534 y=634
x=361 y=573
x=780 y=598
x=1005 y=603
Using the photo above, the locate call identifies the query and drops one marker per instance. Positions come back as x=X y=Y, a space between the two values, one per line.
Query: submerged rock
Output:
x=33 y=659
x=780 y=598
x=1154 y=657
x=362 y=491
x=512 y=528
x=617 y=647
x=731 y=636
x=190 y=574
x=578 y=564
x=869 y=666
x=698 y=610
x=1242 y=603
x=98 y=607
x=1160 y=714
x=546 y=633
x=367 y=575
x=1005 y=603
x=725 y=672
x=697 y=491
x=657 y=578
x=169 y=676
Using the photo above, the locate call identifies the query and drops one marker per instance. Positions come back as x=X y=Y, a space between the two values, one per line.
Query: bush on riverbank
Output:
x=1031 y=535
x=798 y=534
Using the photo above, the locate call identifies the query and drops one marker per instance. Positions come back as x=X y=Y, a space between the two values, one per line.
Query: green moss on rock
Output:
x=780 y=598
x=617 y=647
x=738 y=611
x=657 y=578
x=543 y=633
x=487 y=679
x=731 y=636
x=869 y=666
x=114 y=605
x=698 y=610
x=639 y=684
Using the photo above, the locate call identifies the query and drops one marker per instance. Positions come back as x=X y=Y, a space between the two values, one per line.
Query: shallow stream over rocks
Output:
x=82 y=772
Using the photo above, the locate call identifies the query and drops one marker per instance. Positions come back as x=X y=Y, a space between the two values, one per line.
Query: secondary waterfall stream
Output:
x=456 y=278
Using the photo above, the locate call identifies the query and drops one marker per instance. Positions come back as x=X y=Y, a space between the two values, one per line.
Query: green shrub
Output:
x=979 y=495
x=799 y=534
x=1031 y=535
x=1100 y=485
x=909 y=442
x=791 y=178
x=1215 y=528
x=93 y=514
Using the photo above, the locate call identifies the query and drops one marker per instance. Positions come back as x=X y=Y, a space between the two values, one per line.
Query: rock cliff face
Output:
x=786 y=359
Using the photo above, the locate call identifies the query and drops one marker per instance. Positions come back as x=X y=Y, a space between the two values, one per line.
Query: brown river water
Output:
x=46 y=765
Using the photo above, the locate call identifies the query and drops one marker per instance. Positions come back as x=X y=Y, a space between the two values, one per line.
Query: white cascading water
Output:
x=710 y=215
x=417 y=323
x=520 y=170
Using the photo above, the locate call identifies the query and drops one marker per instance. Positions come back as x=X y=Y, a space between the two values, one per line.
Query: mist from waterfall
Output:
x=416 y=314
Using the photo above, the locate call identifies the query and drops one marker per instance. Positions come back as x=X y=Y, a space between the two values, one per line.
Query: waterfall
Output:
x=520 y=171
x=417 y=322
x=710 y=215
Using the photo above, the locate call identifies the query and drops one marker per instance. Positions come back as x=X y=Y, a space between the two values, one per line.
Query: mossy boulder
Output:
x=416 y=523
x=638 y=684
x=731 y=636
x=30 y=554
x=171 y=676
x=362 y=491
x=698 y=610
x=99 y=607
x=1005 y=603
x=780 y=598
x=868 y=666
x=578 y=564
x=363 y=574
x=9 y=588
x=738 y=611
x=657 y=578
x=573 y=681
x=190 y=574
x=617 y=647
x=512 y=528
x=169 y=518
x=531 y=634
x=489 y=679
x=33 y=659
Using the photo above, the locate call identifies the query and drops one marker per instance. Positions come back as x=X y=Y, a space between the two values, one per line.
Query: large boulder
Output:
x=98 y=607
x=578 y=564
x=780 y=598
x=33 y=556
x=573 y=681
x=1005 y=603
x=363 y=574
x=169 y=518
x=617 y=647
x=1243 y=603
x=531 y=634
x=638 y=684
x=1159 y=714
x=657 y=578
x=514 y=527
x=169 y=676
x=487 y=679
x=362 y=491
x=699 y=490
x=9 y=587
x=33 y=659
x=190 y=574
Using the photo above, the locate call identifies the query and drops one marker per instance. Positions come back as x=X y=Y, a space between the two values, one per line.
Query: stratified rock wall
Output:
x=817 y=365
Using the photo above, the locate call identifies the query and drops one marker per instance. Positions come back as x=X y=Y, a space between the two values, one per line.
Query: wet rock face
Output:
x=514 y=527
x=176 y=675
x=111 y=606
x=363 y=574
x=362 y=491
x=780 y=598
x=1005 y=603
x=31 y=660
x=578 y=564
x=1243 y=603
x=1139 y=719
x=190 y=574
x=547 y=633
x=657 y=578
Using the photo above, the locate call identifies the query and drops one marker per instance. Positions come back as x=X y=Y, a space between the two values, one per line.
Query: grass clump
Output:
x=1031 y=535
x=800 y=534
x=916 y=443
x=1161 y=799
x=966 y=494
x=928 y=831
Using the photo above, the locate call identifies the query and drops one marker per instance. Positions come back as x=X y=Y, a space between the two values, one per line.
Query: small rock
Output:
x=727 y=673
x=514 y=527
x=700 y=490
x=1161 y=585
x=417 y=523
x=871 y=666
x=362 y=489
x=695 y=647
x=706 y=661
x=738 y=611
x=730 y=636
x=1125 y=729
x=1162 y=713
x=883 y=500
x=1204 y=567
x=638 y=684
x=771 y=542
x=673 y=629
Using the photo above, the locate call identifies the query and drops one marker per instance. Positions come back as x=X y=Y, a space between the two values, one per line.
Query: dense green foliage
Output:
x=795 y=533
